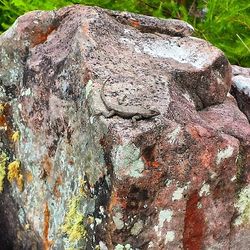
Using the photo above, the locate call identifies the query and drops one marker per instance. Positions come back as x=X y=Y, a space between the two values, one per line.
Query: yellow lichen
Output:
x=2 y=106
x=73 y=225
x=83 y=188
x=14 y=174
x=15 y=136
x=3 y=159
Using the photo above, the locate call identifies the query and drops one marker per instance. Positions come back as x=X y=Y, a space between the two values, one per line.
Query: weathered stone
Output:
x=241 y=89
x=179 y=180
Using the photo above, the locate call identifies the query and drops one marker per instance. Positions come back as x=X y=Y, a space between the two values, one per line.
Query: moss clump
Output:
x=3 y=159
x=73 y=226
x=14 y=174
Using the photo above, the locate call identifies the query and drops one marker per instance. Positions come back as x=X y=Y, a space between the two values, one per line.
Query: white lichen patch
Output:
x=243 y=207
x=173 y=136
x=164 y=215
x=119 y=247
x=26 y=92
x=213 y=175
x=168 y=182
x=128 y=247
x=178 y=193
x=205 y=190
x=188 y=98
x=117 y=218
x=88 y=88
x=137 y=227
x=122 y=247
x=102 y=246
x=233 y=178
x=172 y=49
x=98 y=221
x=224 y=154
x=127 y=161
x=242 y=83
x=170 y=235
x=199 y=205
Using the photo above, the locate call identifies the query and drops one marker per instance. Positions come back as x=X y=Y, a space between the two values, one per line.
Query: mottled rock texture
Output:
x=179 y=180
x=241 y=88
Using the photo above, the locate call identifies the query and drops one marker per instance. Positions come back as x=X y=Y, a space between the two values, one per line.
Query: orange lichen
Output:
x=46 y=215
x=149 y=155
x=28 y=176
x=47 y=167
x=14 y=174
x=41 y=36
x=58 y=182
x=134 y=23
x=117 y=200
x=3 y=122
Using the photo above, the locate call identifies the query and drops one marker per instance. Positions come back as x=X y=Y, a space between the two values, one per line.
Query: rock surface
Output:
x=179 y=180
x=241 y=89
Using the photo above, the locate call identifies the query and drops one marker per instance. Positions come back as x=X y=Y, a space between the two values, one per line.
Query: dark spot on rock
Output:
x=136 y=197
x=10 y=91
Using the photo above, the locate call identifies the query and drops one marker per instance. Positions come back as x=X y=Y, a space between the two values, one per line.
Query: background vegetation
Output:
x=226 y=24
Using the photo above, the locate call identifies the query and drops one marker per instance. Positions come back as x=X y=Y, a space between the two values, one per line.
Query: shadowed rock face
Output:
x=179 y=180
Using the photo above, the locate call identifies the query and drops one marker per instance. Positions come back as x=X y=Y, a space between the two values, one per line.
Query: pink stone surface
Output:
x=179 y=180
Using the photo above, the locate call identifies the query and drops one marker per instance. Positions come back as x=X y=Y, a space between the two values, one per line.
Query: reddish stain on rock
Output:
x=134 y=23
x=194 y=224
x=46 y=241
x=56 y=191
x=47 y=167
x=40 y=36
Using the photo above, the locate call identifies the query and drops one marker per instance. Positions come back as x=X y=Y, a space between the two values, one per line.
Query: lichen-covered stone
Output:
x=178 y=180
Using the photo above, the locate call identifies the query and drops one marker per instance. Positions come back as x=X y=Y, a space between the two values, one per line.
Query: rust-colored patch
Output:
x=198 y=132
x=58 y=182
x=85 y=29
x=206 y=158
x=28 y=176
x=6 y=120
x=117 y=200
x=3 y=122
x=46 y=241
x=40 y=36
x=148 y=155
x=194 y=224
x=46 y=167
x=71 y=162
x=134 y=23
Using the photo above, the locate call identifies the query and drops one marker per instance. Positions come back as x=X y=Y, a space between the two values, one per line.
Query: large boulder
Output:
x=72 y=178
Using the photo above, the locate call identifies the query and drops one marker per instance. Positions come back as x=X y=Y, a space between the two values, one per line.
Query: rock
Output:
x=179 y=180
x=241 y=88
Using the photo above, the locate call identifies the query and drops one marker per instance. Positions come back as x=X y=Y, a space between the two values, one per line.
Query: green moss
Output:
x=240 y=162
x=3 y=159
x=243 y=207
x=73 y=225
